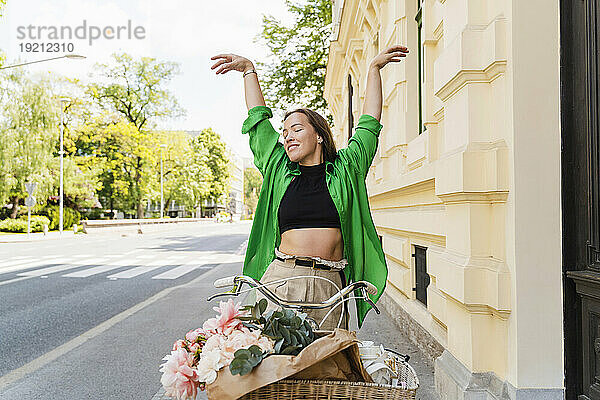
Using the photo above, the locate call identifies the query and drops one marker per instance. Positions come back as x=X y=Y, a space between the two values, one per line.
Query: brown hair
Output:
x=322 y=128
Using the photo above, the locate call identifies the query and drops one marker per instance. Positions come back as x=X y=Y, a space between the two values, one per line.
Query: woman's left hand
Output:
x=391 y=54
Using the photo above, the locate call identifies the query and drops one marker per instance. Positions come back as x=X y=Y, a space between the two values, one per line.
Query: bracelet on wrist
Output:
x=250 y=71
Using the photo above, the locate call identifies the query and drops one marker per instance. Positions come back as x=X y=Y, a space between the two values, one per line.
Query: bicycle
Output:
x=294 y=389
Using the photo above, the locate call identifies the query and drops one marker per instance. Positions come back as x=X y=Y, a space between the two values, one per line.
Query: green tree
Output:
x=135 y=90
x=297 y=73
x=81 y=181
x=217 y=161
x=99 y=142
x=28 y=131
x=132 y=164
x=252 y=185
x=198 y=176
x=187 y=177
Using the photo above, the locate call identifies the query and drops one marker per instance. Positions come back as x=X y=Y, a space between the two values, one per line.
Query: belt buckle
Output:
x=314 y=264
x=322 y=267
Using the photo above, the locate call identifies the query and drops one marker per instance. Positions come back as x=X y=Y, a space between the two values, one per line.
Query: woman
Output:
x=313 y=216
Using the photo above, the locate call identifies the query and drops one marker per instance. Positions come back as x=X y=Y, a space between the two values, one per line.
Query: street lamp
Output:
x=63 y=103
x=162 y=200
x=71 y=56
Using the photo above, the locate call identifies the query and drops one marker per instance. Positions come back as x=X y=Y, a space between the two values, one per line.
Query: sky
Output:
x=184 y=31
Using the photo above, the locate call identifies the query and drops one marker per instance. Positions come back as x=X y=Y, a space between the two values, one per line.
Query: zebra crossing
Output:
x=135 y=264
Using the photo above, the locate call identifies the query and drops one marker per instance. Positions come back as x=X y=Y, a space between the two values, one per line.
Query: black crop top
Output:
x=307 y=203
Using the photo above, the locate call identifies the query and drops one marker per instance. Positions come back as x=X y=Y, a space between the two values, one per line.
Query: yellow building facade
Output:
x=465 y=187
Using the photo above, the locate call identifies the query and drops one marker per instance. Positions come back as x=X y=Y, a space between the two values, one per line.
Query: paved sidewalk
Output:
x=36 y=236
x=379 y=328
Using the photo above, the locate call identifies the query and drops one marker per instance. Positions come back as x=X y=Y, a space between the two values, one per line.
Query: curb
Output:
x=22 y=238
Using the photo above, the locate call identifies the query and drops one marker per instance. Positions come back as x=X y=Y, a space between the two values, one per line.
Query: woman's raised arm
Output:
x=264 y=139
x=232 y=62
x=362 y=145
x=373 y=93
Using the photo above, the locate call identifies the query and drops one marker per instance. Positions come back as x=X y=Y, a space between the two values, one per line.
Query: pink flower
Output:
x=180 y=344
x=179 y=378
x=227 y=321
x=194 y=347
x=240 y=338
x=214 y=342
x=192 y=336
x=209 y=364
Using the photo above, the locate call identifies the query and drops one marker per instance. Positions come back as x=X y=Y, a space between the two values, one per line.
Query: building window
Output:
x=421 y=64
x=421 y=276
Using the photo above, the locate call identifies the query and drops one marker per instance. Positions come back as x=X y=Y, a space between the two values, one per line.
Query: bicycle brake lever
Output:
x=369 y=301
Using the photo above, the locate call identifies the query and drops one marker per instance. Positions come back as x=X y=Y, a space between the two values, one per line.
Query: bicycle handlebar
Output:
x=225 y=282
x=237 y=281
x=230 y=281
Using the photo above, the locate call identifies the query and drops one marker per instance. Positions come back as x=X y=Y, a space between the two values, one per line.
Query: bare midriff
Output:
x=313 y=242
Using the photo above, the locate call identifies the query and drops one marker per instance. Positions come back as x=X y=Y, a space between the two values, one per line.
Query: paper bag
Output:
x=331 y=357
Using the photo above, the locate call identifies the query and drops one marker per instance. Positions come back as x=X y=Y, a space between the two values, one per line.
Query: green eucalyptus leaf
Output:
x=262 y=305
x=255 y=350
x=285 y=333
x=239 y=367
x=296 y=322
x=290 y=350
x=278 y=345
x=242 y=354
x=251 y=326
x=293 y=339
x=289 y=314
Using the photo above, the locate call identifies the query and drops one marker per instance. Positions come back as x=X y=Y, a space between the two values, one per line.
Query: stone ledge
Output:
x=418 y=335
x=453 y=381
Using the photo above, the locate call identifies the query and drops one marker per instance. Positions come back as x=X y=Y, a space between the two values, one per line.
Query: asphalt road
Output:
x=90 y=317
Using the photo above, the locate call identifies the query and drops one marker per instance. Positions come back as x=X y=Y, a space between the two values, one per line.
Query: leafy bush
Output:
x=20 y=224
x=70 y=216
x=13 y=225
x=37 y=222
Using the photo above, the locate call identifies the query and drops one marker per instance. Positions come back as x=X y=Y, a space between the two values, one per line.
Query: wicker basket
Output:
x=295 y=389
x=291 y=389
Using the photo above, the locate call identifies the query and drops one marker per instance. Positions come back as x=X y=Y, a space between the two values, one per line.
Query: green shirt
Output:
x=345 y=178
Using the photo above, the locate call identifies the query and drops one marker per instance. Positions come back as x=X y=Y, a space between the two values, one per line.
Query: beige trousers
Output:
x=306 y=289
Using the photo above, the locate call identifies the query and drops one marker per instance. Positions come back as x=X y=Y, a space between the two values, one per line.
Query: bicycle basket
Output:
x=290 y=389
x=297 y=389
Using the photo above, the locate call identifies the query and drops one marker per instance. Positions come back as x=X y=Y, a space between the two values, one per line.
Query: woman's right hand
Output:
x=231 y=62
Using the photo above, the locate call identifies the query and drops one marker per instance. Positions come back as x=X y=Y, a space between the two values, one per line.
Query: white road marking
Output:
x=182 y=264
x=130 y=273
x=163 y=262
x=177 y=272
x=60 y=268
x=28 y=265
x=13 y=261
x=15 y=280
x=93 y=271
